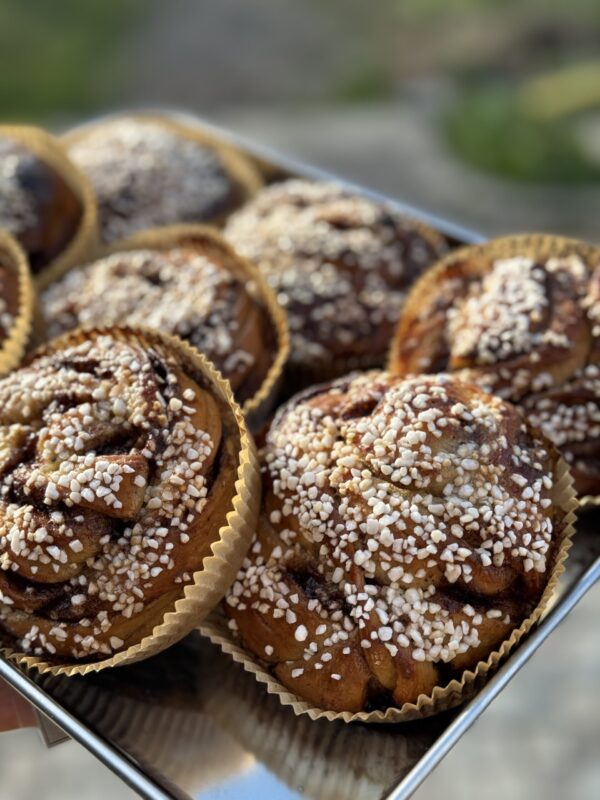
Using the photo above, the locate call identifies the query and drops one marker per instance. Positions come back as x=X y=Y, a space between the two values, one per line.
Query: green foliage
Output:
x=365 y=85
x=489 y=128
x=60 y=55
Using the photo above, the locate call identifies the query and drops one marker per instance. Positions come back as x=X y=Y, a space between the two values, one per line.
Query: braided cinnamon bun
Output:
x=407 y=528
x=340 y=265
x=149 y=171
x=518 y=317
x=187 y=281
x=118 y=462
x=41 y=202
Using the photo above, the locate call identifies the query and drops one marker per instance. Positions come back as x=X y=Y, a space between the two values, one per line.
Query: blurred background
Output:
x=483 y=111
x=486 y=111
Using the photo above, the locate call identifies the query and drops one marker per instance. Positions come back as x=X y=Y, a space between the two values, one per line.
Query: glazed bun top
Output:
x=408 y=526
x=521 y=318
x=340 y=264
x=149 y=172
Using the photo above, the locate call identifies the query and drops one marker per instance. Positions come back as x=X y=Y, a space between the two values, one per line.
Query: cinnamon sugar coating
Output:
x=117 y=467
x=340 y=264
x=190 y=291
x=37 y=206
x=145 y=174
x=407 y=529
x=525 y=327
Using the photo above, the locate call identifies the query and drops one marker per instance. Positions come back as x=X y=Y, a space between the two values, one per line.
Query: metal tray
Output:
x=191 y=723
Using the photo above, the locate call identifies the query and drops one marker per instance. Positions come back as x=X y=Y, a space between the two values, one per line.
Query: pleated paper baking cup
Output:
x=203 y=237
x=237 y=166
x=12 y=348
x=479 y=258
x=445 y=697
x=85 y=240
x=219 y=568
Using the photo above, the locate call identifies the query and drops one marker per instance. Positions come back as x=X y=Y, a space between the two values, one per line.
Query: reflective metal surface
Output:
x=190 y=723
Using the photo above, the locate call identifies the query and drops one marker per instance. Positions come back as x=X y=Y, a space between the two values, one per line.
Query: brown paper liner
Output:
x=49 y=150
x=238 y=167
x=13 y=347
x=227 y=553
x=442 y=698
x=255 y=408
x=532 y=245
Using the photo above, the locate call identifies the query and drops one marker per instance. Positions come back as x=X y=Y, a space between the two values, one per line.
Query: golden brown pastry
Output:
x=340 y=264
x=519 y=317
x=408 y=527
x=150 y=171
x=185 y=281
x=118 y=461
x=39 y=205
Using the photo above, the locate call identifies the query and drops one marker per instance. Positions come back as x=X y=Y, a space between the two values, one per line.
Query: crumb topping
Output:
x=103 y=475
x=145 y=174
x=179 y=291
x=339 y=263
x=398 y=513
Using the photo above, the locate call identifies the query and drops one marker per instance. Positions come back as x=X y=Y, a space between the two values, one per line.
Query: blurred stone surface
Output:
x=31 y=771
x=396 y=148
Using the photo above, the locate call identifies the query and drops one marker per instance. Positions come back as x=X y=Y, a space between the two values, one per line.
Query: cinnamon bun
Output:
x=407 y=529
x=519 y=317
x=149 y=171
x=340 y=265
x=44 y=202
x=118 y=466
